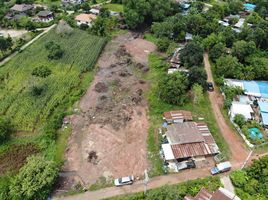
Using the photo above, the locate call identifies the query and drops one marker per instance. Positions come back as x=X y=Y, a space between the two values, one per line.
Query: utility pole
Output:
x=146 y=180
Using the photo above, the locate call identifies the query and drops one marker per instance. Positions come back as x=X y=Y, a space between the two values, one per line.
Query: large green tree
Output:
x=34 y=180
x=197 y=75
x=192 y=55
x=138 y=12
x=242 y=49
x=229 y=67
x=173 y=88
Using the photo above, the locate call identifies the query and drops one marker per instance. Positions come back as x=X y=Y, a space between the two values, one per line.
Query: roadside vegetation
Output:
x=251 y=183
x=36 y=93
x=175 y=191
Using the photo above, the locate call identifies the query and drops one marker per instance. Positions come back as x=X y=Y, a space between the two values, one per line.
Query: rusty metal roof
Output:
x=190 y=139
x=178 y=114
x=190 y=150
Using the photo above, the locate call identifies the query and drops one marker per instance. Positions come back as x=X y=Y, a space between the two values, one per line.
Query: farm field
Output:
x=28 y=112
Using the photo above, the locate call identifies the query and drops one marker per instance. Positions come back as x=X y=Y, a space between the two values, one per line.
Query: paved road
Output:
x=26 y=45
x=239 y=152
x=138 y=186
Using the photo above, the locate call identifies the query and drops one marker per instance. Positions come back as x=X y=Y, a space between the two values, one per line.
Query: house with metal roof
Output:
x=21 y=8
x=188 y=140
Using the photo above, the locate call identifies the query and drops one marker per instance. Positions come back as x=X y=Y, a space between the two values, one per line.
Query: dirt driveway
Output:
x=236 y=144
x=13 y=33
x=109 y=135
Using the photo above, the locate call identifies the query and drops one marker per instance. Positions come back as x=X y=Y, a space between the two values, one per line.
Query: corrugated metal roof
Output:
x=190 y=150
x=178 y=114
x=190 y=139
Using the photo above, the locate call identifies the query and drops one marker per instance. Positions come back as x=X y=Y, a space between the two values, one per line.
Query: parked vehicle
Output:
x=128 y=180
x=186 y=165
x=210 y=86
x=221 y=167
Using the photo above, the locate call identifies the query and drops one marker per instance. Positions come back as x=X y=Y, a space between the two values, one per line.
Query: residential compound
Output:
x=253 y=105
x=186 y=140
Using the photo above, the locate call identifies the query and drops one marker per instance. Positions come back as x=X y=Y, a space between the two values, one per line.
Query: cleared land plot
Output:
x=109 y=135
x=81 y=51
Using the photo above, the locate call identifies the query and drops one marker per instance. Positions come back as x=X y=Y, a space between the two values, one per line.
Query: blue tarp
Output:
x=263 y=87
x=263 y=106
x=249 y=6
x=264 y=116
x=255 y=133
x=251 y=86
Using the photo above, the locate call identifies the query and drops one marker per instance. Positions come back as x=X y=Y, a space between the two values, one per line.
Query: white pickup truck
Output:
x=221 y=167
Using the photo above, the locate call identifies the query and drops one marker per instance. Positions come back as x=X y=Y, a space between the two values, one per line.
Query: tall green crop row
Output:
x=81 y=52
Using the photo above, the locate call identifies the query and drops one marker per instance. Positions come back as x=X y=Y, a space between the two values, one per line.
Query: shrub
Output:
x=163 y=44
x=6 y=129
x=34 y=180
x=42 y=71
x=37 y=90
x=55 y=51
x=239 y=120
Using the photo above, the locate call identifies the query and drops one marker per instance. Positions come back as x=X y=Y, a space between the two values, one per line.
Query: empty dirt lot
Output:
x=110 y=132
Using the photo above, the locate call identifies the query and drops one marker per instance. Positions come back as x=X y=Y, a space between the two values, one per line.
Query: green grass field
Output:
x=81 y=51
x=114 y=7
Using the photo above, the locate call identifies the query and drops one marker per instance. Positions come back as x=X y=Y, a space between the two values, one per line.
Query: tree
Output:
x=235 y=6
x=86 y=7
x=6 y=129
x=163 y=44
x=34 y=180
x=192 y=55
x=242 y=49
x=240 y=120
x=239 y=178
x=37 y=90
x=216 y=51
x=197 y=75
x=5 y=43
x=198 y=95
x=42 y=71
x=229 y=67
x=55 y=51
x=103 y=26
x=173 y=88
x=138 y=12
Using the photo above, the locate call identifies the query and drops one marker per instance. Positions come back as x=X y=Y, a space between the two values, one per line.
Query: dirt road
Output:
x=138 y=186
x=235 y=143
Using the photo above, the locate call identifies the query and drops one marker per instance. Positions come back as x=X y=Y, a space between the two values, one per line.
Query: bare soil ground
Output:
x=110 y=133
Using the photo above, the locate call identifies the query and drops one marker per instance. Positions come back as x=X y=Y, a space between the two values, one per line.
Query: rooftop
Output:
x=184 y=133
x=21 y=7
x=178 y=114
x=44 y=13
x=85 y=17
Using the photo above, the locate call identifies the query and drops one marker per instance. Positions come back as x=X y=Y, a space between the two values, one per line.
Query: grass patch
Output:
x=101 y=183
x=114 y=7
x=151 y=38
x=177 y=191
x=157 y=107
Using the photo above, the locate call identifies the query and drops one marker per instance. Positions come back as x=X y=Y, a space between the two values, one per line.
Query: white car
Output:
x=128 y=180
